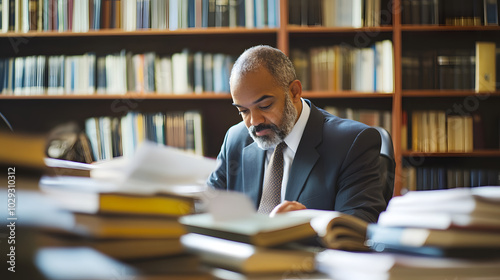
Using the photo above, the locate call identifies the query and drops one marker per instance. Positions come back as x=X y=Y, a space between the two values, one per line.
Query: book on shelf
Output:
x=113 y=136
x=245 y=257
x=420 y=12
x=361 y=265
x=485 y=66
x=440 y=177
x=89 y=73
x=342 y=67
x=340 y=13
x=436 y=131
x=490 y=12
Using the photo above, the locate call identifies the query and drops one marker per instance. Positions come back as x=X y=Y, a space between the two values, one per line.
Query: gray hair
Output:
x=274 y=60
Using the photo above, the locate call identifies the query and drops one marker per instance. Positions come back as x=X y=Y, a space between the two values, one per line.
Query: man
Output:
x=328 y=162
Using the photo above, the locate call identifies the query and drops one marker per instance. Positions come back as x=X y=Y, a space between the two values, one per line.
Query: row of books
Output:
x=436 y=178
x=381 y=118
x=120 y=136
x=339 y=13
x=452 y=69
x=116 y=74
x=436 y=131
x=343 y=67
x=458 y=13
x=85 y=15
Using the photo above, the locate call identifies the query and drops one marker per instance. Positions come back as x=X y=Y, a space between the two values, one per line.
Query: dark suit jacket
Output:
x=336 y=166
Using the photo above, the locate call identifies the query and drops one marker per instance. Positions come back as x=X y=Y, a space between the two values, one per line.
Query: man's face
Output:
x=268 y=111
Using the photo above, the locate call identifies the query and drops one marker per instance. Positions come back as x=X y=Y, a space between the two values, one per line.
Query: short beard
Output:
x=277 y=134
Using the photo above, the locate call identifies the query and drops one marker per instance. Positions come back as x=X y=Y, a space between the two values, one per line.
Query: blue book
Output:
x=173 y=12
x=490 y=12
x=191 y=14
x=272 y=13
x=145 y=14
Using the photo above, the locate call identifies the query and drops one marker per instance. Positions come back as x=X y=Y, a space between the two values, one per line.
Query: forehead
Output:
x=251 y=86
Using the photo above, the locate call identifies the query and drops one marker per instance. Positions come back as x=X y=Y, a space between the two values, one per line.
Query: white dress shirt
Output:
x=292 y=141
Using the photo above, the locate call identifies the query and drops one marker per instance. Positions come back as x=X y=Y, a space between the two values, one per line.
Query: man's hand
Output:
x=286 y=206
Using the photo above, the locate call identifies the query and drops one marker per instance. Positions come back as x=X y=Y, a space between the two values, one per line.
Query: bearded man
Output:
x=321 y=161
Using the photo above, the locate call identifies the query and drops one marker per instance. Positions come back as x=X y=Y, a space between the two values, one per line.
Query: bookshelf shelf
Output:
x=321 y=29
x=345 y=94
x=447 y=28
x=445 y=93
x=145 y=32
x=202 y=96
x=477 y=153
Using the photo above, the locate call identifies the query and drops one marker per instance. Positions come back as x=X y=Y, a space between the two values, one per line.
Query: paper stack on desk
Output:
x=461 y=222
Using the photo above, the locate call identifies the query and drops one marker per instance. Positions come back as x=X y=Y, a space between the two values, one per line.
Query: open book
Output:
x=335 y=229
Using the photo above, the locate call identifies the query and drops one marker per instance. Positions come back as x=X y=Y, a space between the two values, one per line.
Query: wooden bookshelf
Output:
x=217 y=110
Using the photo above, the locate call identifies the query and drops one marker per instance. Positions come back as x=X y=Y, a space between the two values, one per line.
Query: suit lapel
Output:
x=306 y=155
x=253 y=171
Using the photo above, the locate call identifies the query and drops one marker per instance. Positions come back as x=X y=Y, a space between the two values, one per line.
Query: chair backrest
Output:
x=387 y=163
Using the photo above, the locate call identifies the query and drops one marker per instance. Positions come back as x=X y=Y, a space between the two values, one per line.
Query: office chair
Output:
x=387 y=163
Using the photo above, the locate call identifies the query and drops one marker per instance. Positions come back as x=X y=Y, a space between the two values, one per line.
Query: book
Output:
x=247 y=258
x=99 y=227
x=88 y=263
x=362 y=265
x=68 y=167
x=468 y=201
x=92 y=196
x=485 y=67
x=24 y=149
x=336 y=230
x=122 y=249
x=257 y=229
x=425 y=237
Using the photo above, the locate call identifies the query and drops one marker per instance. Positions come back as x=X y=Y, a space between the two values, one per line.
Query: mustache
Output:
x=261 y=127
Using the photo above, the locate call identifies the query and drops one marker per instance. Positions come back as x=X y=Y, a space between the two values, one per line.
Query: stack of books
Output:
x=128 y=209
x=252 y=243
x=462 y=222
x=436 y=234
x=132 y=227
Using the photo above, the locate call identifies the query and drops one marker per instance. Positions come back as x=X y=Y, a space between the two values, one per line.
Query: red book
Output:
x=70 y=14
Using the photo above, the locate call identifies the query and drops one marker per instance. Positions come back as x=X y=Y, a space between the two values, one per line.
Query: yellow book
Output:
x=22 y=150
x=485 y=67
x=88 y=195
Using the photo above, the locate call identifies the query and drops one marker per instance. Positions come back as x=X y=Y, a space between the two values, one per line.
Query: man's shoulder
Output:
x=238 y=134
x=337 y=124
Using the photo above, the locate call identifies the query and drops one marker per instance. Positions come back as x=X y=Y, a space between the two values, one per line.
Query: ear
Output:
x=296 y=90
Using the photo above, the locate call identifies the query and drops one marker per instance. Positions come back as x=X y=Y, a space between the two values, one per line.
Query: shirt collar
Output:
x=293 y=139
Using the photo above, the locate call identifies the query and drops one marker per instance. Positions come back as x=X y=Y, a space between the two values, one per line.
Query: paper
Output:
x=229 y=205
x=158 y=168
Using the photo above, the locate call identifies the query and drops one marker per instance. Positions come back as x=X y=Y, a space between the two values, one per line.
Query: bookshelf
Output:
x=41 y=113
